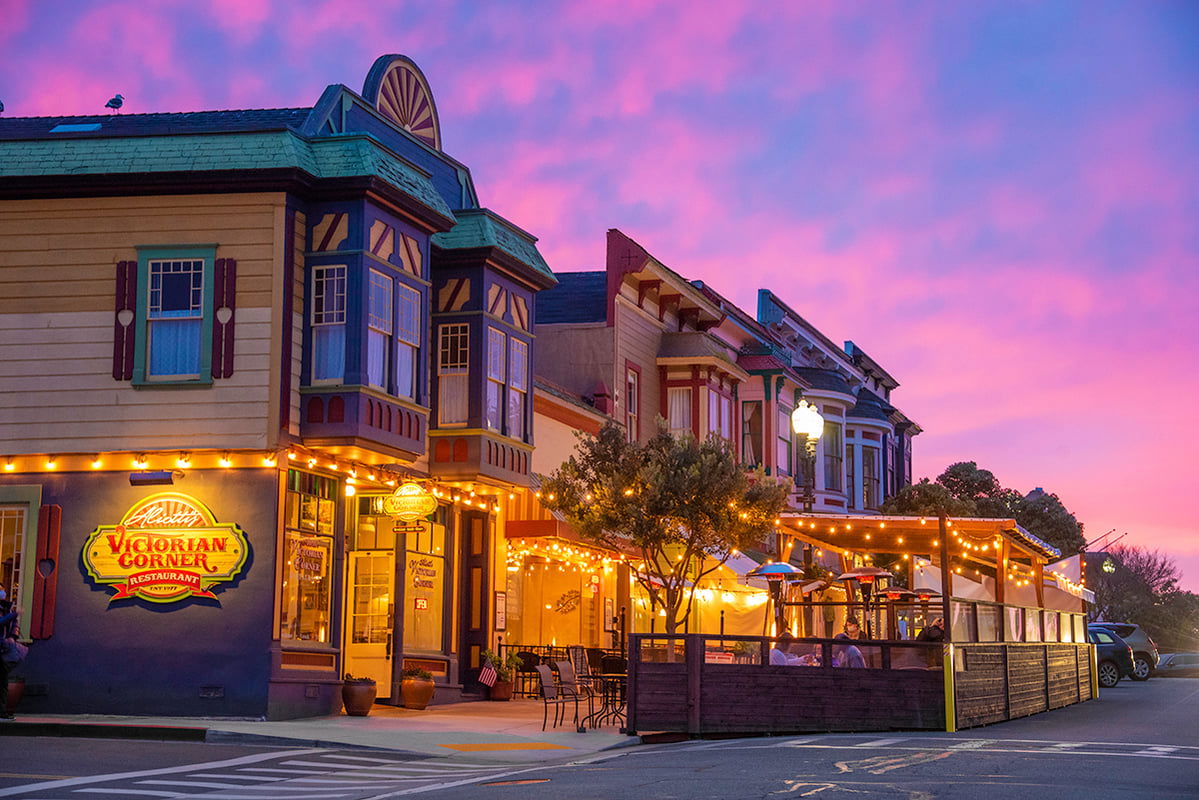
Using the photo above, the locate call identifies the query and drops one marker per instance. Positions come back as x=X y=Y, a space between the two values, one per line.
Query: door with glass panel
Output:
x=372 y=612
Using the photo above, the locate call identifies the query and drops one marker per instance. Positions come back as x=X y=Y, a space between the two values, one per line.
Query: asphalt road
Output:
x=1139 y=740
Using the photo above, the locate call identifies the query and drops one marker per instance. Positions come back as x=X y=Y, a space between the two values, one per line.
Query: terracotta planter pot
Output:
x=358 y=697
x=16 y=690
x=417 y=692
x=501 y=691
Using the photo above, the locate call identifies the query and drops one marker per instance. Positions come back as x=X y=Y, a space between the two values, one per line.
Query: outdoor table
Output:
x=612 y=700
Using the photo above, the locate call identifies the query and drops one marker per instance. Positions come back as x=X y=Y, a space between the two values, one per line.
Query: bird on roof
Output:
x=115 y=103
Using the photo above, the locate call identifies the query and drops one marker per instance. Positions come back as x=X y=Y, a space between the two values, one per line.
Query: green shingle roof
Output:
x=483 y=228
x=333 y=157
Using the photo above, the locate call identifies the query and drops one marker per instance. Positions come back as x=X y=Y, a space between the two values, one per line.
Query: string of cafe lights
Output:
x=575 y=557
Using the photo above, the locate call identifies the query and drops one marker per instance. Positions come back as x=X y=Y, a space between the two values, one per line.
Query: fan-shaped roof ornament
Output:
x=398 y=89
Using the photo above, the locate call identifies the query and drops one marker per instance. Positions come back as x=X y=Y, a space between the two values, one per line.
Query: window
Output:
x=851 y=478
x=424 y=594
x=518 y=389
x=726 y=418
x=782 y=458
x=751 y=433
x=632 y=403
x=379 y=328
x=12 y=547
x=720 y=415
x=408 y=339
x=328 y=324
x=679 y=410
x=496 y=375
x=832 y=457
x=870 y=474
x=306 y=594
x=453 y=373
x=174 y=319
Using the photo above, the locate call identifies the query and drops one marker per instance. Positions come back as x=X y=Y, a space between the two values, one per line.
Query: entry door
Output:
x=372 y=616
x=475 y=606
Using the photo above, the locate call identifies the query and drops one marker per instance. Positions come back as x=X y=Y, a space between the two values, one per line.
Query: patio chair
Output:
x=595 y=659
x=526 y=674
x=578 y=659
x=550 y=696
x=615 y=664
x=570 y=687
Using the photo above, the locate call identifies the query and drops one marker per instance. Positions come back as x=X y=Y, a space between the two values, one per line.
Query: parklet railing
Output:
x=709 y=684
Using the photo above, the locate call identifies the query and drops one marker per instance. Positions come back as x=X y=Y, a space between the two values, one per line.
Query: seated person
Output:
x=780 y=654
x=934 y=632
x=853 y=630
x=809 y=660
x=847 y=655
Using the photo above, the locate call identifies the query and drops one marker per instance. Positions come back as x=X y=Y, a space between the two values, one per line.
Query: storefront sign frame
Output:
x=501 y=611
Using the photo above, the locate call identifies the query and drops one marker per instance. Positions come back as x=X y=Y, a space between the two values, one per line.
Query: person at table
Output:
x=934 y=632
x=847 y=655
x=853 y=630
x=780 y=654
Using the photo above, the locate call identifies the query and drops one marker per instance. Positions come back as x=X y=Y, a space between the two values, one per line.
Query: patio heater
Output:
x=807 y=422
x=865 y=576
x=776 y=574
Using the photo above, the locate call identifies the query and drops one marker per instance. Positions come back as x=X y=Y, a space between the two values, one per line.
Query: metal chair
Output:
x=526 y=685
x=570 y=687
x=550 y=696
x=615 y=665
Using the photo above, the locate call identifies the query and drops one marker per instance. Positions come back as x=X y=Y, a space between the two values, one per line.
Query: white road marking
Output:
x=147 y=773
x=236 y=776
x=360 y=758
x=879 y=743
x=127 y=792
x=259 y=797
x=199 y=784
x=970 y=744
x=452 y=784
x=286 y=771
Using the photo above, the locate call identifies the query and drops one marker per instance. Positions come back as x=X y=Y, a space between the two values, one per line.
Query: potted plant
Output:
x=505 y=669
x=16 y=690
x=358 y=694
x=416 y=688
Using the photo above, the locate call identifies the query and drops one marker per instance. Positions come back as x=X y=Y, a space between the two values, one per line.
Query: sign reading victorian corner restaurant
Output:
x=167 y=547
x=409 y=502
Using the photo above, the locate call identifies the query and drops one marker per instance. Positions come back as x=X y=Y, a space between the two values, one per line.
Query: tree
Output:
x=685 y=505
x=1143 y=588
x=1043 y=515
x=966 y=481
x=927 y=499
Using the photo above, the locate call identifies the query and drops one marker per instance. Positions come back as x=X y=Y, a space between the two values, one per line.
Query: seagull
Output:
x=116 y=103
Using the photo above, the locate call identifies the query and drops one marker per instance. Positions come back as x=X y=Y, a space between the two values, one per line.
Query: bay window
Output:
x=679 y=410
x=496 y=375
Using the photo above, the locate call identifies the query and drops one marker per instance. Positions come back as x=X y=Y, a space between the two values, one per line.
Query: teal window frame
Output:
x=146 y=254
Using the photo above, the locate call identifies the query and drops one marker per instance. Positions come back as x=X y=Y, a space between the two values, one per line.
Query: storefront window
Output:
x=424 y=590
x=307 y=558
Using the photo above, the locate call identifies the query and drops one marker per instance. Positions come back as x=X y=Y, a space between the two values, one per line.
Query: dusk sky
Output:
x=997 y=201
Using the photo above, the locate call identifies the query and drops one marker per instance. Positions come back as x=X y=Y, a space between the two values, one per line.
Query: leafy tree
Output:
x=1143 y=588
x=684 y=504
x=928 y=498
x=966 y=481
x=1043 y=515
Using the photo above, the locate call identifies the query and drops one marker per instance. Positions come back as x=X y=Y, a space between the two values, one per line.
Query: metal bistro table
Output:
x=612 y=701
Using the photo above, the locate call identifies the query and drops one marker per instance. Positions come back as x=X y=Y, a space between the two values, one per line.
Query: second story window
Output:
x=174 y=319
x=328 y=323
x=720 y=409
x=632 y=404
x=679 y=410
x=408 y=337
x=751 y=433
x=833 y=450
x=453 y=373
x=518 y=389
x=782 y=459
x=871 y=496
x=496 y=376
x=851 y=478
x=379 y=328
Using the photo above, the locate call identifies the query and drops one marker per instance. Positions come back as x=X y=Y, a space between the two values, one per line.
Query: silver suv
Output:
x=1144 y=651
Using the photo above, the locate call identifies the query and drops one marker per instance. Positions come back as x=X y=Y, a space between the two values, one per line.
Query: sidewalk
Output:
x=506 y=733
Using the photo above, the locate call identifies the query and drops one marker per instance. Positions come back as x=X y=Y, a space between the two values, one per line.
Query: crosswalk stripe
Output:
x=878 y=743
x=199 y=784
x=127 y=792
x=287 y=771
x=236 y=777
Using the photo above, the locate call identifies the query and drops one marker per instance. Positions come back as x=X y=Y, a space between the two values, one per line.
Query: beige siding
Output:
x=297 y=320
x=57 y=295
x=640 y=339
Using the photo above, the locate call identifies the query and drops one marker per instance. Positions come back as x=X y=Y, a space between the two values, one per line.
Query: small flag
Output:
x=487 y=675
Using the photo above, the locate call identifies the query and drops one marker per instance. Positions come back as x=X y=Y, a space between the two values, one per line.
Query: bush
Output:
x=421 y=674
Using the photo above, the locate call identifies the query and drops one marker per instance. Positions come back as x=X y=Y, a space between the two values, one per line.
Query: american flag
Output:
x=487 y=675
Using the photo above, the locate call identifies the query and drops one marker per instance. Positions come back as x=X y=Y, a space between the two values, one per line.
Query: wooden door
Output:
x=475 y=605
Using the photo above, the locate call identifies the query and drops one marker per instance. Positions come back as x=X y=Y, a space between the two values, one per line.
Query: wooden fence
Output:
x=701 y=684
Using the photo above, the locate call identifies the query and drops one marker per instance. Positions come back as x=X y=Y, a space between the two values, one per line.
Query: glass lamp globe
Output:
x=806 y=420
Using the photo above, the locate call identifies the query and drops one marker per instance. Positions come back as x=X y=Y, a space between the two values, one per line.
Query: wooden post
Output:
x=634 y=665
x=947 y=667
x=1038 y=573
x=694 y=651
x=946 y=577
x=1001 y=587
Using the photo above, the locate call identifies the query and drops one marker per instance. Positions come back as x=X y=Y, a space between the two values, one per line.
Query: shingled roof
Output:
x=480 y=227
x=578 y=297
x=160 y=124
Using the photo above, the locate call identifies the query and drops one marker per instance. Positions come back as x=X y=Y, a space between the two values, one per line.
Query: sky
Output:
x=996 y=200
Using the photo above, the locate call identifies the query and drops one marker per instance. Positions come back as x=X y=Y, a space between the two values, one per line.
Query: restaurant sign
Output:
x=168 y=547
x=409 y=502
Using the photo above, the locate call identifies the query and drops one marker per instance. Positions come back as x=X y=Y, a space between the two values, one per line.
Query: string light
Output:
x=139 y=461
x=226 y=461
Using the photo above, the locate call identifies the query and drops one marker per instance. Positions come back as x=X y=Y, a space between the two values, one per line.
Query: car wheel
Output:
x=1141 y=669
x=1109 y=674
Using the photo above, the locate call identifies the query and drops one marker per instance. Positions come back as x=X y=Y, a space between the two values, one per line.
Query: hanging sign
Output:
x=167 y=547
x=409 y=502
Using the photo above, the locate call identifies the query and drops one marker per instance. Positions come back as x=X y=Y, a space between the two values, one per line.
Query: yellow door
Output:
x=372 y=612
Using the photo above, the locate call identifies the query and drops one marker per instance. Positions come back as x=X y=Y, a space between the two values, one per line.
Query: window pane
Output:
x=870 y=475
x=12 y=544
x=328 y=295
x=328 y=352
x=751 y=433
x=832 y=456
x=454 y=349
x=376 y=358
x=408 y=313
x=379 y=314
x=495 y=391
x=496 y=342
x=174 y=347
x=406 y=370
x=306 y=591
x=679 y=408
x=520 y=365
x=632 y=403
x=516 y=414
x=783 y=450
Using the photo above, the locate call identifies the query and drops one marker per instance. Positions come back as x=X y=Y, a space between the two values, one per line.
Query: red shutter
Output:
x=224 y=305
x=123 y=331
x=45 y=575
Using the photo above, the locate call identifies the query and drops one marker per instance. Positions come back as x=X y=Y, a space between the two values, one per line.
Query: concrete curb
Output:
x=104 y=730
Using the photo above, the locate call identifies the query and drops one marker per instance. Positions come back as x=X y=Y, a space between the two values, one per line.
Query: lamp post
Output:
x=807 y=422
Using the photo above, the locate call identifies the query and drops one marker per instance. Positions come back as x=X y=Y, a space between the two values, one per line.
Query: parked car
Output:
x=1144 y=651
x=1114 y=656
x=1182 y=665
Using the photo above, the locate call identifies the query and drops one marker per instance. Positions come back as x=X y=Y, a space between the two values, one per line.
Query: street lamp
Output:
x=807 y=422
